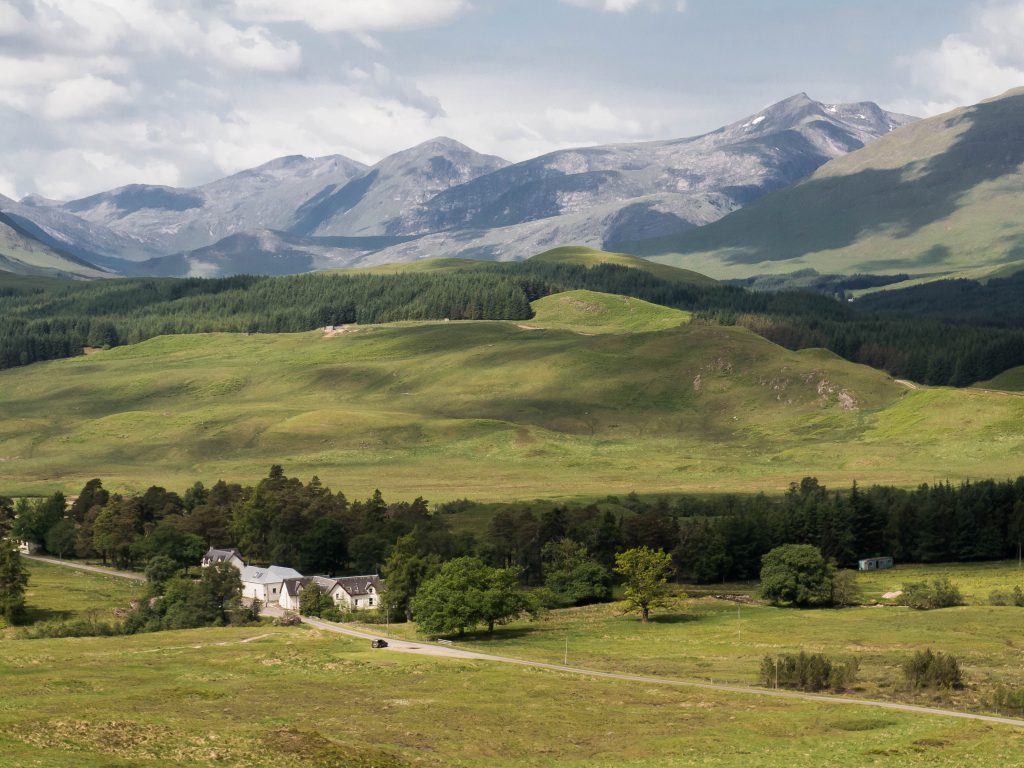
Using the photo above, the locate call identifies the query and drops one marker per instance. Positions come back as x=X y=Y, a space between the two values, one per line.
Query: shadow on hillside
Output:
x=833 y=212
x=673 y=618
x=35 y=615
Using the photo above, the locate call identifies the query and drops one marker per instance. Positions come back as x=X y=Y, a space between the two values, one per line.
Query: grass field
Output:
x=285 y=698
x=58 y=592
x=492 y=411
x=703 y=638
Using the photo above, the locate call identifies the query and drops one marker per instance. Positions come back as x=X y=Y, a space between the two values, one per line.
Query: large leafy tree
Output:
x=796 y=574
x=645 y=574
x=467 y=592
x=406 y=568
x=13 y=582
x=36 y=518
x=573 y=576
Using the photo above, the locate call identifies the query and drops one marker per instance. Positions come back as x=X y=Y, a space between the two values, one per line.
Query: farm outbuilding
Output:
x=874 y=563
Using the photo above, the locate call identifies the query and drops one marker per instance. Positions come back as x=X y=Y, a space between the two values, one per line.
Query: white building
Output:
x=264 y=584
x=232 y=556
x=353 y=593
x=290 y=589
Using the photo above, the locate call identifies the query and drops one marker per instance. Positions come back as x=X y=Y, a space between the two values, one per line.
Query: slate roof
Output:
x=360 y=585
x=292 y=587
x=271 y=575
x=221 y=555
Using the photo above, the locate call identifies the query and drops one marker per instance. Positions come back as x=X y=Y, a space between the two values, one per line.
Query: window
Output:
x=370 y=602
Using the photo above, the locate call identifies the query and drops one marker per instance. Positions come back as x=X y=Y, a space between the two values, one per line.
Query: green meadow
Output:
x=278 y=698
x=596 y=395
x=701 y=637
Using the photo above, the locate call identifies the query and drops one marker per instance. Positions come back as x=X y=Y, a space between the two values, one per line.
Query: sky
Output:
x=95 y=94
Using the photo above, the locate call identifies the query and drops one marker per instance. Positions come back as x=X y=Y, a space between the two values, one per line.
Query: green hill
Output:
x=937 y=196
x=592 y=312
x=1008 y=381
x=22 y=254
x=490 y=410
x=590 y=257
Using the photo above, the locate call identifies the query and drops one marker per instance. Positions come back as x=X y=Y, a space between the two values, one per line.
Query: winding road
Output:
x=446 y=651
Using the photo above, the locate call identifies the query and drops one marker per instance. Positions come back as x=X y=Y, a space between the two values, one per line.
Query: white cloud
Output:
x=595 y=120
x=354 y=15
x=83 y=96
x=11 y=20
x=625 y=6
x=59 y=175
x=251 y=48
x=970 y=66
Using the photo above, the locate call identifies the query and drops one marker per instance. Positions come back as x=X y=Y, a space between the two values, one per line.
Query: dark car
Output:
x=378 y=643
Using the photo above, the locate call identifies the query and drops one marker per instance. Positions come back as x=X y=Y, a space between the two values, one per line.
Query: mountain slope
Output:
x=377 y=203
x=937 y=196
x=170 y=220
x=491 y=410
x=22 y=254
x=606 y=195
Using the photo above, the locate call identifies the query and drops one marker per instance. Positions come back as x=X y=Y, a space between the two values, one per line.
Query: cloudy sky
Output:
x=99 y=93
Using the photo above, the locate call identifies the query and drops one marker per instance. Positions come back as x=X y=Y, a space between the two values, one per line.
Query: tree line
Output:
x=568 y=549
x=948 y=333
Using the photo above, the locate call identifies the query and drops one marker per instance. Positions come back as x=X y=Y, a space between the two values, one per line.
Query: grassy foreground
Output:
x=290 y=697
x=493 y=411
x=704 y=638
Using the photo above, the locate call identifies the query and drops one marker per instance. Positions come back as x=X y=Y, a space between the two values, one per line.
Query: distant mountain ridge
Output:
x=942 y=195
x=442 y=198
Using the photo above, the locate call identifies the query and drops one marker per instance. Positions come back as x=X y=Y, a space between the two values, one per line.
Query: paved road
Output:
x=91 y=568
x=446 y=651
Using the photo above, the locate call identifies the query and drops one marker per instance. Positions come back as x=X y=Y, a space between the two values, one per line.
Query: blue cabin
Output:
x=874 y=563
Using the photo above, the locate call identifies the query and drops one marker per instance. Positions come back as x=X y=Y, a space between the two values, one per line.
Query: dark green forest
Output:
x=307 y=526
x=945 y=333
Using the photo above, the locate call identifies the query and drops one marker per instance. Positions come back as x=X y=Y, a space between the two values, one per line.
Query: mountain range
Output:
x=942 y=197
x=442 y=198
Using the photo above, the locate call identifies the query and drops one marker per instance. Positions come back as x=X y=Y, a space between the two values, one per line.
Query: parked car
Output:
x=378 y=643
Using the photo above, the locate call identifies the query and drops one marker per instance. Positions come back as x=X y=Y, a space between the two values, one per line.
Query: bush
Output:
x=933 y=670
x=807 y=672
x=87 y=627
x=1002 y=597
x=1009 y=700
x=926 y=596
x=796 y=574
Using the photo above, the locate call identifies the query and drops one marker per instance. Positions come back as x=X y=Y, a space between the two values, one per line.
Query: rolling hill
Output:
x=937 y=196
x=493 y=410
x=22 y=254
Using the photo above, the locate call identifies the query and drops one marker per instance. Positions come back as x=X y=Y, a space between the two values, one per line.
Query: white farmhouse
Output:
x=353 y=593
x=232 y=556
x=29 y=548
x=264 y=584
x=290 y=589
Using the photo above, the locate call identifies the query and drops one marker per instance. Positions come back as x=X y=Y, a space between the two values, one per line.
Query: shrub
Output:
x=925 y=596
x=807 y=672
x=1009 y=700
x=87 y=627
x=1002 y=597
x=933 y=670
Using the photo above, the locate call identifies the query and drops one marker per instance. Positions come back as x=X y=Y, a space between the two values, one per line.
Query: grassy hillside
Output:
x=292 y=698
x=22 y=254
x=1010 y=381
x=938 y=196
x=589 y=257
x=592 y=312
x=490 y=410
